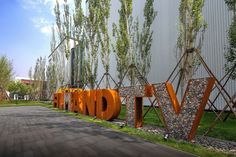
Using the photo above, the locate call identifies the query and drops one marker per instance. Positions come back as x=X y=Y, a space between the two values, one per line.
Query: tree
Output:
x=133 y=47
x=30 y=73
x=39 y=86
x=51 y=79
x=6 y=71
x=57 y=62
x=231 y=4
x=145 y=38
x=104 y=35
x=67 y=24
x=230 y=54
x=19 y=88
x=79 y=42
x=52 y=75
x=122 y=34
x=59 y=25
x=59 y=54
x=191 y=34
x=92 y=22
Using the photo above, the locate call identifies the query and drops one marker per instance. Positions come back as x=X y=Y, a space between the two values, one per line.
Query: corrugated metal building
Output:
x=165 y=35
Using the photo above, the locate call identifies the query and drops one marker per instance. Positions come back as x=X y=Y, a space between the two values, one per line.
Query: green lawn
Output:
x=180 y=145
x=14 y=103
x=223 y=130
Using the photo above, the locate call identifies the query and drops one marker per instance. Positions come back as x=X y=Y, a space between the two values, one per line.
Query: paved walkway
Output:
x=39 y=132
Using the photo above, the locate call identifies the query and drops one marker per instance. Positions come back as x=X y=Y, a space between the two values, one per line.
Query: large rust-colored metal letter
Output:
x=104 y=103
x=134 y=103
x=87 y=102
x=108 y=104
x=55 y=100
x=61 y=100
x=67 y=95
x=182 y=121
x=74 y=100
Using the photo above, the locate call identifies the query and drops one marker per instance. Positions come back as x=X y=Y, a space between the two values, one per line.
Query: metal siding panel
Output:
x=165 y=36
x=218 y=19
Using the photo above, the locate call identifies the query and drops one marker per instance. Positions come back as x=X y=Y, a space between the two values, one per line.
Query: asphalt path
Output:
x=41 y=132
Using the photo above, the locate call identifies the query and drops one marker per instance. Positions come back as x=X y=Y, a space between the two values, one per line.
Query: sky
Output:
x=25 y=31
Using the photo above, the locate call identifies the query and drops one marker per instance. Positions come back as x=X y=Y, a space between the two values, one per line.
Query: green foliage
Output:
x=19 y=88
x=104 y=34
x=58 y=20
x=121 y=32
x=39 y=77
x=230 y=54
x=192 y=27
x=104 y=6
x=92 y=35
x=231 y=5
x=78 y=16
x=67 y=27
x=6 y=71
x=145 y=38
x=58 y=57
x=57 y=60
x=79 y=35
x=19 y=103
x=64 y=24
x=51 y=79
x=223 y=130
x=92 y=22
x=53 y=74
x=154 y=138
x=30 y=73
x=132 y=45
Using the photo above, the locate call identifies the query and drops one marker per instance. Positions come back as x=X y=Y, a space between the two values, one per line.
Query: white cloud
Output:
x=46 y=30
x=39 y=4
x=52 y=3
x=42 y=19
x=31 y=5
x=43 y=25
x=38 y=22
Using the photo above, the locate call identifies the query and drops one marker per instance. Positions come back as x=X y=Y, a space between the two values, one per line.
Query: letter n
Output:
x=87 y=102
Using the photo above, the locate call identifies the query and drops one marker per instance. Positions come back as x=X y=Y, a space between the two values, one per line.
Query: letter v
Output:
x=182 y=121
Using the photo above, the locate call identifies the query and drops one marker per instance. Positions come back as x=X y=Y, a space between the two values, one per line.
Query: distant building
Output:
x=24 y=80
x=28 y=81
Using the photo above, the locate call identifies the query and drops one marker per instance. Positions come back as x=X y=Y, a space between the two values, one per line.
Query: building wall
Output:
x=219 y=19
x=165 y=35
